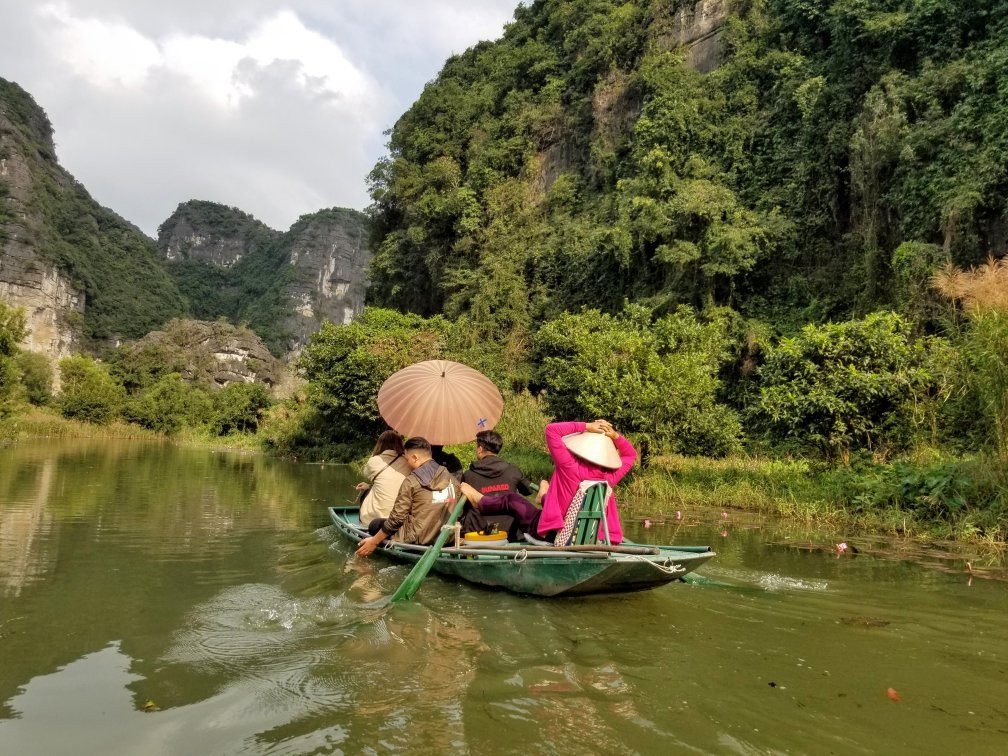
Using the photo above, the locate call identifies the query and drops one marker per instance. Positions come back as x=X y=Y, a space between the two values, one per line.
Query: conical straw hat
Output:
x=596 y=448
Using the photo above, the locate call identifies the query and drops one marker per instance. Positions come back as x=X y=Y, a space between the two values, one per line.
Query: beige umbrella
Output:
x=445 y=402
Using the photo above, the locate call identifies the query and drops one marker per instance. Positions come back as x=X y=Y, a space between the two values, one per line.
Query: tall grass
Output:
x=523 y=421
x=983 y=294
x=768 y=486
x=40 y=422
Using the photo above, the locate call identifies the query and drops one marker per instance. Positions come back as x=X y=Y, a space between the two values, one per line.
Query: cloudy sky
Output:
x=275 y=107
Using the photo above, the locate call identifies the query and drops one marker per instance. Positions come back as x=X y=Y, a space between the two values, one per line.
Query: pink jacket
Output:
x=569 y=471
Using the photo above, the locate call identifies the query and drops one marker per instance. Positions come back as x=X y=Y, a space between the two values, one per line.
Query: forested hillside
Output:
x=841 y=149
x=755 y=228
x=47 y=219
x=281 y=284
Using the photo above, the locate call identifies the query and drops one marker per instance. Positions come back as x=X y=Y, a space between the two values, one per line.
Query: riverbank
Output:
x=929 y=497
x=41 y=422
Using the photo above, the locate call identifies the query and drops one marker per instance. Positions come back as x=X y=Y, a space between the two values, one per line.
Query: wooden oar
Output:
x=416 y=576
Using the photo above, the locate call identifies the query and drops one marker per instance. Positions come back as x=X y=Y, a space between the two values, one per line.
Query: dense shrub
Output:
x=844 y=386
x=946 y=491
x=88 y=392
x=239 y=407
x=346 y=365
x=12 y=330
x=36 y=376
x=655 y=379
x=164 y=406
x=139 y=365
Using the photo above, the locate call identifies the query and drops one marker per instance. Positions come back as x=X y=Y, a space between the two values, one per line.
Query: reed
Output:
x=40 y=422
x=523 y=421
x=983 y=294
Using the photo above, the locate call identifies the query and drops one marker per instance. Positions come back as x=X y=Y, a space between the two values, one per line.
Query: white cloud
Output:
x=105 y=53
x=275 y=107
x=109 y=53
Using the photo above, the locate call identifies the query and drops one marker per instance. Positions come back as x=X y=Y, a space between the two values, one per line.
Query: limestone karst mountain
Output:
x=74 y=266
x=78 y=268
x=283 y=285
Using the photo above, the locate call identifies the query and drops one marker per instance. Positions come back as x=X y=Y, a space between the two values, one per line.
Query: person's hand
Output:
x=601 y=426
x=472 y=495
x=366 y=547
x=362 y=487
x=541 y=493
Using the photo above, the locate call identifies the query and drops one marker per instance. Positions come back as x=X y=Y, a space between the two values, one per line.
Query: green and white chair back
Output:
x=586 y=513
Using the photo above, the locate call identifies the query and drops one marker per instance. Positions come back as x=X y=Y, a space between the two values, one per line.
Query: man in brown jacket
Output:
x=425 y=500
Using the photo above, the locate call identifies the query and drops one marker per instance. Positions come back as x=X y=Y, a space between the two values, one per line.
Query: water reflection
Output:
x=182 y=500
x=212 y=585
x=108 y=541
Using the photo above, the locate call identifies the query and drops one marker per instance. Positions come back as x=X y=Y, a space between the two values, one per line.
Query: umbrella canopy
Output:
x=445 y=402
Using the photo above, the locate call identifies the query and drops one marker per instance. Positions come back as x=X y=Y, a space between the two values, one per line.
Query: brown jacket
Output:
x=425 y=501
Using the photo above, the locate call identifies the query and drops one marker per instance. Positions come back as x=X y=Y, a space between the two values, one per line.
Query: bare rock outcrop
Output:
x=212 y=354
x=698 y=27
x=328 y=249
x=212 y=233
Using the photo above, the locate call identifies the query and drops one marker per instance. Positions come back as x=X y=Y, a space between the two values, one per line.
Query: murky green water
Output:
x=210 y=585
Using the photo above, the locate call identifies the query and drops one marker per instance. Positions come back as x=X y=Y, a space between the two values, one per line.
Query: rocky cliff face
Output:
x=54 y=307
x=213 y=354
x=282 y=284
x=329 y=252
x=212 y=233
x=74 y=266
x=697 y=26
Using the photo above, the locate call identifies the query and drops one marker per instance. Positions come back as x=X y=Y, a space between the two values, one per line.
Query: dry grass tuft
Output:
x=977 y=289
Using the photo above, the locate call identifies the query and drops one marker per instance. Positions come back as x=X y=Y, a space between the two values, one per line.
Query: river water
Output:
x=163 y=600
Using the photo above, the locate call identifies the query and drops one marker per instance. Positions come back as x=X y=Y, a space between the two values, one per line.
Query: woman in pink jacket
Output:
x=570 y=470
x=568 y=473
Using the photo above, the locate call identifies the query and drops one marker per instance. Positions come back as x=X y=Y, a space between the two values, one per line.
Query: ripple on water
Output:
x=278 y=645
x=772 y=582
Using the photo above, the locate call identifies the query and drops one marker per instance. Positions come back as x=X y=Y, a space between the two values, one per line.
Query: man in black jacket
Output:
x=496 y=488
x=490 y=474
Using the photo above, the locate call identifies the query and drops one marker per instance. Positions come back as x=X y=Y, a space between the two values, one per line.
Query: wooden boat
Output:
x=539 y=569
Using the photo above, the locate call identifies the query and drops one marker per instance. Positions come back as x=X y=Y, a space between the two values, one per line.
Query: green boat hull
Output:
x=541 y=573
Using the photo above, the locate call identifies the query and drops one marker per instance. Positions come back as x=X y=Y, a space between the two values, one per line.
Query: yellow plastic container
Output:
x=478 y=540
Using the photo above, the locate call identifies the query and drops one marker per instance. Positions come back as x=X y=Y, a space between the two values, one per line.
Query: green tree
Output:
x=36 y=376
x=88 y=392
x=655 y=379
x=239 y=407
x=12 y=331
x=846 y=386
x=163 y=406
x=346 y=365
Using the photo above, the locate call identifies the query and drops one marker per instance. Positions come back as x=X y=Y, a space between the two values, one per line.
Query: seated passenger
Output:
x=490 y=474
x=576 y=461
x=385 y=472
x=446 y=459
x=424 y=502
x=600 y=462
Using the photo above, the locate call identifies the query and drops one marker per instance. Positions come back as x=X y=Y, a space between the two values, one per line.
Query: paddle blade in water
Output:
x=416 y=576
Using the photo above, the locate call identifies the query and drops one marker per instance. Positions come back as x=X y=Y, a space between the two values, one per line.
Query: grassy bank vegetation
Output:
x=861 y=424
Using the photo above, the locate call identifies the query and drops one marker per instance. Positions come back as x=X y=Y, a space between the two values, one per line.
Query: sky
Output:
x=277 y=108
